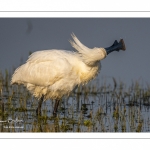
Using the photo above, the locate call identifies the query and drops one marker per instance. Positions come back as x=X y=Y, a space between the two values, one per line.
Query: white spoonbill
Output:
x=52 y=74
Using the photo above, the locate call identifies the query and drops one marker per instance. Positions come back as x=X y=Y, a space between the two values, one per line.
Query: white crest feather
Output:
x=89 y=56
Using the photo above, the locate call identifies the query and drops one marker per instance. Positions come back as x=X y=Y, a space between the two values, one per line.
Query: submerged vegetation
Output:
x=91 y=108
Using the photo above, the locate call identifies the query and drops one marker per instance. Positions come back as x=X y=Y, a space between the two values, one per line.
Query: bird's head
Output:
x=94 y=55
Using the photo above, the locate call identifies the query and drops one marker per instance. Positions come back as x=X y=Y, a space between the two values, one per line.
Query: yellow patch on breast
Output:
x=87 y=76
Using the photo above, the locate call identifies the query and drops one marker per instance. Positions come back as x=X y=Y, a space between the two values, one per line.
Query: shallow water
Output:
x=100 y=108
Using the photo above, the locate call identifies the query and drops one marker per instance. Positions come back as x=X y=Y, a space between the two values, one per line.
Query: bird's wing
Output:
x=42 y=72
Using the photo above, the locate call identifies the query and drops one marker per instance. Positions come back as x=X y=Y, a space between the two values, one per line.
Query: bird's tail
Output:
x=17 y=76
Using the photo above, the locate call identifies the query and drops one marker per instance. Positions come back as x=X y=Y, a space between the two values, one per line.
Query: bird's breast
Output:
x=87 y=73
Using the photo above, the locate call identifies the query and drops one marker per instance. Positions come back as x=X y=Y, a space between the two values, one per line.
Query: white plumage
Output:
x=55 y=73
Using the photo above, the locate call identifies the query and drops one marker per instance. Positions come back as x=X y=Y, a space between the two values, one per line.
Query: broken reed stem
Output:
x=2 y=104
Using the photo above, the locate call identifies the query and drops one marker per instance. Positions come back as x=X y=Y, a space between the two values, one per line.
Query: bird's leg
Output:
x=38 y=110
x=55 y=107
